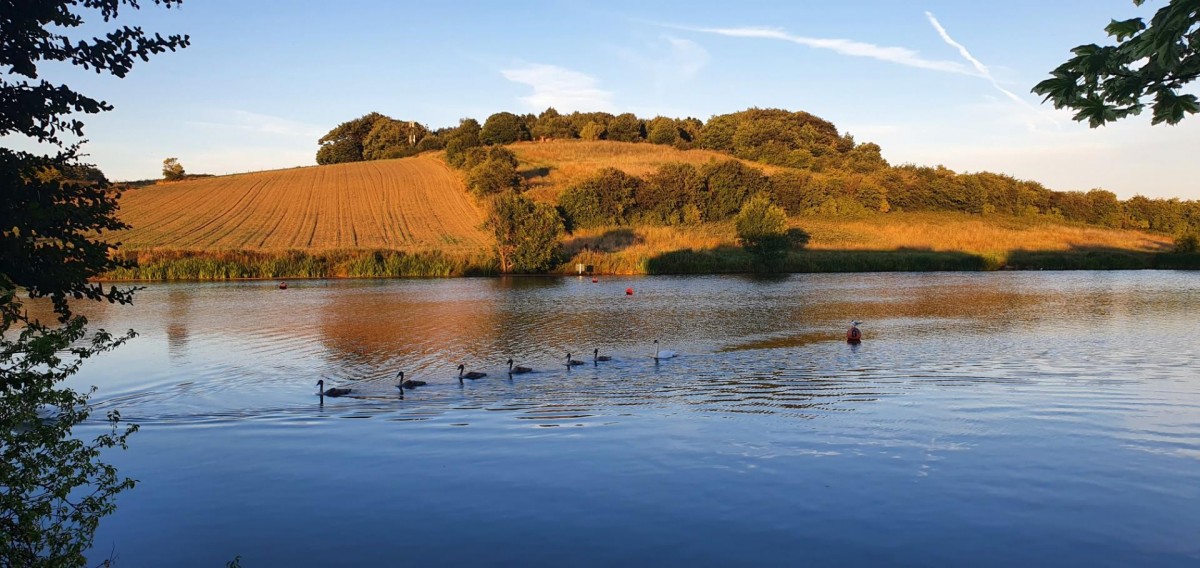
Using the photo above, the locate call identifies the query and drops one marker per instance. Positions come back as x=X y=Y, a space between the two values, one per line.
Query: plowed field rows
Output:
x=407 y=204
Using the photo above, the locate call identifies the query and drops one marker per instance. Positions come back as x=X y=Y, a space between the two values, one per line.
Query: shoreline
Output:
x=204 y=266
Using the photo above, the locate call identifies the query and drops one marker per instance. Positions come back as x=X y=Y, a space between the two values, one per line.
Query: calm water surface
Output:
x=1004 y=419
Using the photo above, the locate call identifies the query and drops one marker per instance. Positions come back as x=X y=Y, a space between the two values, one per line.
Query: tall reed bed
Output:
x=158 y=264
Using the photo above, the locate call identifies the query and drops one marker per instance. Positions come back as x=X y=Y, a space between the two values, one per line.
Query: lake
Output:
x=987 y=419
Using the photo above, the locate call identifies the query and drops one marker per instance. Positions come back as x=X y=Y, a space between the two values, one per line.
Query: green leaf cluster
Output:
x=491 y=170
x=1150 y=64
x=373 y=136
x=762 y=229
x=504 y=128
x=605 y=198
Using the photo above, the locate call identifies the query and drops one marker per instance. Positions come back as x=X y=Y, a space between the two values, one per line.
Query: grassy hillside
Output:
x=411 y=204
x=414 y=217
x=897 y=241
x=554 y=165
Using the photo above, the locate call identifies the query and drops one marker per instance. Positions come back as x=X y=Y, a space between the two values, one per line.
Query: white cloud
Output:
x=564 y=89
x=898 y=55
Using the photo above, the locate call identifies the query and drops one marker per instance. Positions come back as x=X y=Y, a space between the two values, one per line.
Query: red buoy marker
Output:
x=629 y=291
x=854 y=335
x=595 y=280
x=283 y=285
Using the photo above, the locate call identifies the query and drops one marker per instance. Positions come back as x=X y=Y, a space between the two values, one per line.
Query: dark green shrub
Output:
x=606 y=198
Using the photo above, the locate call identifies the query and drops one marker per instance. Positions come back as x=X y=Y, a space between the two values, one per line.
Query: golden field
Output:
x=409 y=204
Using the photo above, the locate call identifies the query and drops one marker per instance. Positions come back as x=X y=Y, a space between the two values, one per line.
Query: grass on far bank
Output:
x=890 y=242
x=165 y=264
x=876 y=243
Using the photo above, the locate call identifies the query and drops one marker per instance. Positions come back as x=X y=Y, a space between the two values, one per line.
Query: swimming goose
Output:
x=572 y=362
x=331 y=392
x=596 y=356
x=664 y=354
x=517 y=370
x=409 y=384
x=471 y=375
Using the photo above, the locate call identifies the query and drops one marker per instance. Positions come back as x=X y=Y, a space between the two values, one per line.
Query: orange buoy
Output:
x=853 y=335
x=629 y=291
x=283 y=285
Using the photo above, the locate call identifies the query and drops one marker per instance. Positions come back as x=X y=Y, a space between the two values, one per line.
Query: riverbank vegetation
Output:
x=171 y=264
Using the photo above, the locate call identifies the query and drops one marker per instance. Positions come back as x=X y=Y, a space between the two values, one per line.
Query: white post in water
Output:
x=580 y=266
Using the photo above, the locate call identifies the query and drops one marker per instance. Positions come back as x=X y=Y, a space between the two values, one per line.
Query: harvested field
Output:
x=410 y=204
x=554 y=165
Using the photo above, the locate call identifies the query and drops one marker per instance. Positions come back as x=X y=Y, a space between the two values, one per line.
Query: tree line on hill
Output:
x=822 y=172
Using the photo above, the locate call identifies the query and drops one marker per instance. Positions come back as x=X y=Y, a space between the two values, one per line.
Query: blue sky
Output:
x=936 y=82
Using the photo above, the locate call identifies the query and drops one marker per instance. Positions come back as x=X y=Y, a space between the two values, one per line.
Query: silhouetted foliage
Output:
x=1152 y=61
x=53 y=487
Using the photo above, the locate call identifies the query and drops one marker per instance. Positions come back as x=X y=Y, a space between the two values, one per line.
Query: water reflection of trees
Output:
x=178 y=316
x=751 y=346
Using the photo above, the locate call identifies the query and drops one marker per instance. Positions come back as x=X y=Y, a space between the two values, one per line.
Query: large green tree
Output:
x=1150 y=62
x=390 y=138
x=762 y=228
x=346 y=141
x=526 y=233
x=504 y=128
x=53 y=487
x=460 y=140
